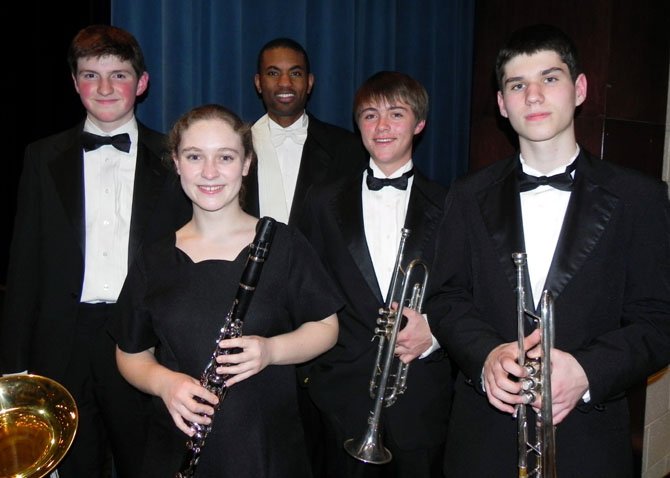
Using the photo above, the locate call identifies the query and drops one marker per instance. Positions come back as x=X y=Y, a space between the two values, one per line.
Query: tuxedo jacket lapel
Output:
x=314 y=167
x=422 y=218
x=349 y=213
x=500 y=208
x=589 y=210
x=67 y=171
x=423 y=215
x=586 y=218
x=149 y=179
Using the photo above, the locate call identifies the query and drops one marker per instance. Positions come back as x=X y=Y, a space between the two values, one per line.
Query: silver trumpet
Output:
x=538 y=383
x=385 y=386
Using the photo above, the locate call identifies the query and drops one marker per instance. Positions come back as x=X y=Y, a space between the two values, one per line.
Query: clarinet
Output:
x=232 y=327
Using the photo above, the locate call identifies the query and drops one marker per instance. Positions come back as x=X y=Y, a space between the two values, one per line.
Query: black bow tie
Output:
x=375 y=184
x=92 y=141
x=562 y=181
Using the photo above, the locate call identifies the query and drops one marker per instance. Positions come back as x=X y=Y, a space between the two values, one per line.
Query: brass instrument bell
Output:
x=38 y=421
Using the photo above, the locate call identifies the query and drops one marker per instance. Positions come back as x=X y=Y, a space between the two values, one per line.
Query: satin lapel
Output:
x=349 y=213
x=149 y=179
x=500 y=208
x=421 y=219
x=586 y=218
x=314 y=166
x=68 y=175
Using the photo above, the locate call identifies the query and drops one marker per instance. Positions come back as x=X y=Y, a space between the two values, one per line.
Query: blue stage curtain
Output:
x=202 y=51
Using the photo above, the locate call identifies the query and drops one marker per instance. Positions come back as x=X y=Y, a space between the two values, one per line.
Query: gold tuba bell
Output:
x=385 y=386
x=38 y=421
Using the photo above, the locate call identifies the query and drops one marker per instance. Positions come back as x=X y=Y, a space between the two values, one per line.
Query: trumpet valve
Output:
x=532 y=368
x=528 y=397
x=527 y=384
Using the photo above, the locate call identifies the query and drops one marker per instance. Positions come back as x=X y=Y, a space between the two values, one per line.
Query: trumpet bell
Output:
x=369 y=449
x=38 y=421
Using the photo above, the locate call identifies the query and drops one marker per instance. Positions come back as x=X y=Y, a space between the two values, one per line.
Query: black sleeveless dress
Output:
x=177 y=306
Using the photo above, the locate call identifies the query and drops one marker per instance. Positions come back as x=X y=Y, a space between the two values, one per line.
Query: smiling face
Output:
x=284 y=84
x=108 y=88
x=211 y=164
x=388 y=130
x=539 y=98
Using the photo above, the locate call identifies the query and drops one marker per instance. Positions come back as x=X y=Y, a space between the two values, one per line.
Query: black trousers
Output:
x=111 y=435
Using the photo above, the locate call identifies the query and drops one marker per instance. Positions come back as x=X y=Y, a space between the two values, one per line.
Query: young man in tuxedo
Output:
x=88 y=198
x=355 y=225
x=296 y=152
x=597 y=237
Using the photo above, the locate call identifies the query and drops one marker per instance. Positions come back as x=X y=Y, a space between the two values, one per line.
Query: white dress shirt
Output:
x=109 y=176
x=278 y=164
x=384 y=214
x=543 y=210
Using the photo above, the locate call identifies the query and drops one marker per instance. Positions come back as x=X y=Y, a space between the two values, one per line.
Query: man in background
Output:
x=296 y=151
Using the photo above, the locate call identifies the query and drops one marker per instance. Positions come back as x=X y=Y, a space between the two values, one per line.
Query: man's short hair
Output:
x=96 y=41
x=535 y=38
x=282 y=43
x=393 y=86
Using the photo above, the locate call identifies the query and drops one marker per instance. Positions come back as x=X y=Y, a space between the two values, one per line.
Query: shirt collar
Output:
x=299 y=124
x=396 y=174
x=534 y=172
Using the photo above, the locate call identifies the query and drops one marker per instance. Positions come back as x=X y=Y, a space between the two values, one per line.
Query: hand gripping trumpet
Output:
x=369 y=448
x=232 y=327
x=538 y=382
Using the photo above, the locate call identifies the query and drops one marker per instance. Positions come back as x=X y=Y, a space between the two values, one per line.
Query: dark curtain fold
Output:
x=201 y=51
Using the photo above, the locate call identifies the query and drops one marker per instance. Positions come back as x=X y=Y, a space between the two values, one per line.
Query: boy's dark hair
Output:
x=393 y=86
x=282 y=43
x=535 y=38
x=96 y=41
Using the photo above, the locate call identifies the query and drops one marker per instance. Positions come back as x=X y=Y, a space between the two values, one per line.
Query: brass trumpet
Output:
x=538 y=383
x=369 y=448
x=38 y=421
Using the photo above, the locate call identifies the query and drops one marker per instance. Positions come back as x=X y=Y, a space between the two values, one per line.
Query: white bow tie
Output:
x=280 y=135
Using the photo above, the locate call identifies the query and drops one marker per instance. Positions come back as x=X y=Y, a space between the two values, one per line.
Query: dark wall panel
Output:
x=624 y=52
x=43 y=92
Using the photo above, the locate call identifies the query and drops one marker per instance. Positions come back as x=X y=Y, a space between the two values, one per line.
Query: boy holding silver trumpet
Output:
x=596 y=238
x=393 y=424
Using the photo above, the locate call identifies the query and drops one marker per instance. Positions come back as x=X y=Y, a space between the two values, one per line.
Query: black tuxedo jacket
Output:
x=46 y=267
x=340 y=378
x=330 y=152
x=610 y=277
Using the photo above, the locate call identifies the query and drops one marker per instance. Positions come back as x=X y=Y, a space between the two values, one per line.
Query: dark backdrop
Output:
x=41 y=97
x=200 y=52
x=205 y=51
